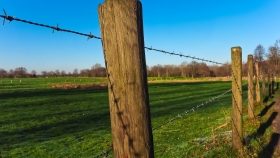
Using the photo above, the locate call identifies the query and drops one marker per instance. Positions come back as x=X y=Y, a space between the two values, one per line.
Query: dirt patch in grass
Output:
x=79 y=86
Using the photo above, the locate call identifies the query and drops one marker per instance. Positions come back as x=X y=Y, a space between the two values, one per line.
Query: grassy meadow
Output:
x=37 y=120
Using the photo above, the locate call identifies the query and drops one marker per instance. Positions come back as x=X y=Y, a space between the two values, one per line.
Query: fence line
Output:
x=193 y=109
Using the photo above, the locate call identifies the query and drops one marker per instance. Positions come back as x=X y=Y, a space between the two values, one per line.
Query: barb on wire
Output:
x=193 y=109
x=11 y=18
x=182 y=55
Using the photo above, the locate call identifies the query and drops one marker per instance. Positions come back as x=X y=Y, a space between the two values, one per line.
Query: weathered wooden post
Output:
x=263 y=84
x=258 y=93
x=272 y=84
x=269 y=84
x=250 y=87
x=123 y=45
x=237 y=134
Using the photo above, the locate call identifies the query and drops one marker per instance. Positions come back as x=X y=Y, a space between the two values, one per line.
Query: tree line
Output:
x=268 y=61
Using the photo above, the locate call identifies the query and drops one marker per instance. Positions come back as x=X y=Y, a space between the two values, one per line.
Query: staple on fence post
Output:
x=250 y=87
x=258 y=95
x=237 y=134
x=123 y=46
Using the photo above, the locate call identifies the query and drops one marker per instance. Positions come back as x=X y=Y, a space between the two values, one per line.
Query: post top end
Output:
x=236 y=48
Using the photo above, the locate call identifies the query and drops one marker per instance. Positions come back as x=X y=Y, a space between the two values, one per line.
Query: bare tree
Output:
x=11 y=73
x=273 y=57
x=63 y=73
x=44 y=73
x=75 y=72
x=57 y=73
x=183 y=68
x=259 y=53
x=203 y=70
x=33 y=72
x=20 y=72
x=3 y=73
x=193 y=67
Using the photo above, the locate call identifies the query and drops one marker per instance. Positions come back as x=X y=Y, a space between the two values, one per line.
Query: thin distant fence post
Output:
x=123 y=46
x=258 y=94
x=272 y=84
x=263 y=84
x=250 y=87
x=269 y=84
x=237 y=134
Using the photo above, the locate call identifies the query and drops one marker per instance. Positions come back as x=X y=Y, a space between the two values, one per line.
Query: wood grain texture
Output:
x=123 y=45
x=258 y=93
x=250 y=87
x=237 y=134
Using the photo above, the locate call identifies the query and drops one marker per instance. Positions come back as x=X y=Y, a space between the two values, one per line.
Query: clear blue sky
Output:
x=201 y=28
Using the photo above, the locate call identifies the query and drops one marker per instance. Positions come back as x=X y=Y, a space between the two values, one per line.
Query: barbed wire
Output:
x=182 y=55
x=12 y=18
x=56 y=28
x=193 y=109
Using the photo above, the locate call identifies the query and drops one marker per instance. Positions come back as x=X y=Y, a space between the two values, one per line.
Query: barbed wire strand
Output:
x=11 y=18
x=193 y=109
x=182 y=55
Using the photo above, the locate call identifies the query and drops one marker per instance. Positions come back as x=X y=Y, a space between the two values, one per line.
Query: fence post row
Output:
x=250 y=87
x=237 y=134
x=123 y=46
x=258 y=94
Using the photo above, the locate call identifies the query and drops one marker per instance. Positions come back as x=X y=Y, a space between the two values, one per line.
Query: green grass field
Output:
x=39 y=121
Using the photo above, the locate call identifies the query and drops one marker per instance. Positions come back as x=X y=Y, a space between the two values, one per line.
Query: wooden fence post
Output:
x=250 y=87
x=263 y=84
x=272 y=84
x=237 y=134
x=269 y=84
x=258 y=94
x=123 y=46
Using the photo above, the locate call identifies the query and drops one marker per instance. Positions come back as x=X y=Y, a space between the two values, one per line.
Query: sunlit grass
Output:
x=38 y=121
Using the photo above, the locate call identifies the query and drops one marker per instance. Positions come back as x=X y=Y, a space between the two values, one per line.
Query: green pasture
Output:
x=38 y=121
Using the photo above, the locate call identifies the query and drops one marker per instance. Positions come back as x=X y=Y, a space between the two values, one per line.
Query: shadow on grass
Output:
x=266 y=108
x=268 y=150
x=49 y=131
x=46 y=92
x=58 y=113
x=261 y=130
x=265 y=100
